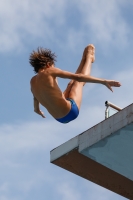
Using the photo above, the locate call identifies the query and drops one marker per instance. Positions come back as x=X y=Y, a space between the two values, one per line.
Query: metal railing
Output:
x=108 y=105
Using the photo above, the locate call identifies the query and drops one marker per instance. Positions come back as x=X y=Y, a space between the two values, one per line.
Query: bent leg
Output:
x=87 y=50
x=70 y=84
x=75 y=92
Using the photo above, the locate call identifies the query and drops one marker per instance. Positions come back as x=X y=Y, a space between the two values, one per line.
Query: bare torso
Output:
x=45 y=89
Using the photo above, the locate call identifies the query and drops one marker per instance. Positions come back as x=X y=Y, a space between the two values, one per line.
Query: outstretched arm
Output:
x=84 y=78
x=36 y=108
x=108 y=83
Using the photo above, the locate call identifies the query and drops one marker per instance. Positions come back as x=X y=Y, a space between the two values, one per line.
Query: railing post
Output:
x=107 y=112
x=109 y=104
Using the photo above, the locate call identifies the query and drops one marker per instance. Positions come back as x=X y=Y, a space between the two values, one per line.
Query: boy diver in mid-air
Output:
x=63 y=106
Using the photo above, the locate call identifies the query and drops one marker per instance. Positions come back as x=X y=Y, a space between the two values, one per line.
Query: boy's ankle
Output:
x=90 y=57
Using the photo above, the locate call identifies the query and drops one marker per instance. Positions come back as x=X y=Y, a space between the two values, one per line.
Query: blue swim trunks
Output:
x=73 y=114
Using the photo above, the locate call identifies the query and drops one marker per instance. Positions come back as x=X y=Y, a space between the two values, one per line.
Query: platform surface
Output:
x=102 y=154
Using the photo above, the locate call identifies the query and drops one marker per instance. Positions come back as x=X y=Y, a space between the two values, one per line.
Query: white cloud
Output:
x=122 y=96
x=41 y=135
x=125 y=95
x=23 y=21
x=75 y=39
x=4 y=187
x=68 y=192
x=101 y=194
x=104 y=22
x=27 y=19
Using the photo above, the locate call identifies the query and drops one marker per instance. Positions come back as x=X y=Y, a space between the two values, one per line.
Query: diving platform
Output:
x=102 y=154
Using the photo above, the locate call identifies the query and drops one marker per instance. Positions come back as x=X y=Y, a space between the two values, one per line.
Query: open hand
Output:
x=39 y=112
x=111 y=83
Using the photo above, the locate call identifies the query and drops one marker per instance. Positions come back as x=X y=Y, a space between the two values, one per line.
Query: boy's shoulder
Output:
x=32 y=79
x=52 y=71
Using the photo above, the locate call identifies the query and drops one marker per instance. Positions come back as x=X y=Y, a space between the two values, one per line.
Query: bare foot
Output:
x=90 y=52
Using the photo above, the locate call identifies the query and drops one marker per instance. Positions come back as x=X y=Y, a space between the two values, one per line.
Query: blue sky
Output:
x=26 y=139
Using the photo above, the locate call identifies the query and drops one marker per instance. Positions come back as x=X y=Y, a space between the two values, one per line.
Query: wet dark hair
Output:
x=41 y=57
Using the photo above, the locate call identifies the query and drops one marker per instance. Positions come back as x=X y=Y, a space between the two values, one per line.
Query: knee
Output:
x=70 y=84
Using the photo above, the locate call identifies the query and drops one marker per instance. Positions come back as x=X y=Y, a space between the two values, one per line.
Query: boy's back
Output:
x=45 y=89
